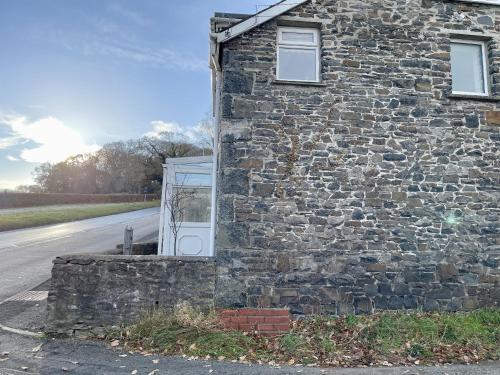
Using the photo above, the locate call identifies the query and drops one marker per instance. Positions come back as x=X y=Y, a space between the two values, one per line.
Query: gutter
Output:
x=216 y=100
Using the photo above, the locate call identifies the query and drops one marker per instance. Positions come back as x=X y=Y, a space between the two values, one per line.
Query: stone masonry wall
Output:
x=90 y=292
x=372 y=190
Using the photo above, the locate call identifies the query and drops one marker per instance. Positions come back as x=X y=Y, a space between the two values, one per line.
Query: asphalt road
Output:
x=51 y=357
x=26 y=254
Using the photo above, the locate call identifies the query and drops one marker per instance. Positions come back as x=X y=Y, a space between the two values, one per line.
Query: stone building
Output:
x=358 y=155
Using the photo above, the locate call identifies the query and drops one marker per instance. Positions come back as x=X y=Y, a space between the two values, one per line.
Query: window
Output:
x=469 y=68
x=298 y=54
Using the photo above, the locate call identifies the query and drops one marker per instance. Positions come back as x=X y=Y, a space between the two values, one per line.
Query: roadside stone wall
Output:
x=90 y=292
x=372 y=190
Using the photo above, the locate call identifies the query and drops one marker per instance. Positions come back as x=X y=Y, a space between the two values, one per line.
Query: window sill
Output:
x=487 y=98
x=297 y=83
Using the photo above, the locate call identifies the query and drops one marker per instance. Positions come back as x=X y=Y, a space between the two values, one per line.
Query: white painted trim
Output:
x=486 y=81
x=296 y=46
x=162 y=210
x=258 y=19
x=298 y=30
x=189 y=159
x=215 y=158
x=487 y=2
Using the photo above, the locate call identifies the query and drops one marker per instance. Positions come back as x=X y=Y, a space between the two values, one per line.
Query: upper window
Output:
x=469 y=70
x=298 y=54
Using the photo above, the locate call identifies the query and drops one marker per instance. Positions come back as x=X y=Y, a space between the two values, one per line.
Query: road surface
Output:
x=26 y=254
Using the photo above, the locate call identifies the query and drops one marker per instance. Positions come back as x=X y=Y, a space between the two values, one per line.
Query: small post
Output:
x=128 y=240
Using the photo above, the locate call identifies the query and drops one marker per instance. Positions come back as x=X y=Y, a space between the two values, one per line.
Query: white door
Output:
x=186 y=207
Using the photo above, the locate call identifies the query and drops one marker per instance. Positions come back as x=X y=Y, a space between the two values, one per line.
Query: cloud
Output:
x=107 y=38
x=52 y=141
x=129 y=14
x=142 y=53
x=162 y=127
x=199 y=134
x=12 y=158
x=8 y=142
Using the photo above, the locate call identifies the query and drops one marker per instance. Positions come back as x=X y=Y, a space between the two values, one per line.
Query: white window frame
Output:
x=484 y=54
x=294 y=45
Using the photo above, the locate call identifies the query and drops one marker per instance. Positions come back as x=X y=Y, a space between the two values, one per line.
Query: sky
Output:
x=75 y=75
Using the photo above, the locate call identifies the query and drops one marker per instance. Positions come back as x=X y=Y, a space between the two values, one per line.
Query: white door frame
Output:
x=171 y=166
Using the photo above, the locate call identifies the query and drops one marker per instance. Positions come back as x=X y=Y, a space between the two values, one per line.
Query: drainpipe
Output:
x=216 y=91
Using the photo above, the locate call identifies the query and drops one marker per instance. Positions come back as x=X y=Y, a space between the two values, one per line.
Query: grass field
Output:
x=36 y=216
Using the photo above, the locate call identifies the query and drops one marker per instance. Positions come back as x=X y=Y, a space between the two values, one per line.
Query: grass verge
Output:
x=378 y=340
x=37 y=216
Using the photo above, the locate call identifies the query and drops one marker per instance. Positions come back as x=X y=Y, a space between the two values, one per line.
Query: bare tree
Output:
x=176 y=205
x=204 y=133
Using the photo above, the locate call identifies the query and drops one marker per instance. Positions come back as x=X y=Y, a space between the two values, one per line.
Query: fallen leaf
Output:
x=192 y=347
x=133 y=372
x=115 y=343
x=156 y=361
x=154 y=372
x=122 y=355
x=36 y=348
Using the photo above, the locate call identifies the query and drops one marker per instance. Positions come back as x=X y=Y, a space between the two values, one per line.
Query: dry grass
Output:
x=382 y=339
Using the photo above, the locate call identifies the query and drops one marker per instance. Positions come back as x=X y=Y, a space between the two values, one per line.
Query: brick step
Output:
x=266 y=322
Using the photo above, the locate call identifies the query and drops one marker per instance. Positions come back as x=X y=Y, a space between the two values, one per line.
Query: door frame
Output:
x=171 y=166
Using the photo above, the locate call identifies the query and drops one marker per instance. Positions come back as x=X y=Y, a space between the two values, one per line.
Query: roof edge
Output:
x=258 y=19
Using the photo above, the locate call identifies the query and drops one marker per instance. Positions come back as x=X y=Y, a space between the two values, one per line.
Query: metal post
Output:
x=128 y=240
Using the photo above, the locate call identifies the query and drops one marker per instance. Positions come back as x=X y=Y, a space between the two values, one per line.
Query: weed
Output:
x=398 y=338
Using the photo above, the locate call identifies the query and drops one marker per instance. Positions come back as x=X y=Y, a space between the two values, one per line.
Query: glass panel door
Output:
x=187 y=207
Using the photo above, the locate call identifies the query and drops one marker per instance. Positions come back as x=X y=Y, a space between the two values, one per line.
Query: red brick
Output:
x=277 y=319
x=273 y=327
x=239 y=319
x=249 y=311
x=256 y=319
x=274 y=312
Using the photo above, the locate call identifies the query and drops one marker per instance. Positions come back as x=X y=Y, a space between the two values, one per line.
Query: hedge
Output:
x=15 y=200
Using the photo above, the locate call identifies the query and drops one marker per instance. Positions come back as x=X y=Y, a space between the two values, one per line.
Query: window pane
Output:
x=193 y=179
x=467 y=68
x=191 y=204
x=297 y=64
x=290 y=36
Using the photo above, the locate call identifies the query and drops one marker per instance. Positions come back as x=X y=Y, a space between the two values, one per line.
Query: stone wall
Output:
x=89 y=292
x=372 y=190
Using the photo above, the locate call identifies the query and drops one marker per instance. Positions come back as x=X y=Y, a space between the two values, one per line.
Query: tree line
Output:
x=133 y=166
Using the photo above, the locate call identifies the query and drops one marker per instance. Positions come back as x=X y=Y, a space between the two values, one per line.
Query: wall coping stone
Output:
x=79 y=258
